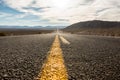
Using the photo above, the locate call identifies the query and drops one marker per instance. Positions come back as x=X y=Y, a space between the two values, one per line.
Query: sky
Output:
x=57 y=12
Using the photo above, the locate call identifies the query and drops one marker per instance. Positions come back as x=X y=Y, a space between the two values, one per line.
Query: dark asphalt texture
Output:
x=21 y=57
x=86 y=57
x=92 y=57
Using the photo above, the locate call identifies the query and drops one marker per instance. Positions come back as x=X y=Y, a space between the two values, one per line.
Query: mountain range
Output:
x=5 y=27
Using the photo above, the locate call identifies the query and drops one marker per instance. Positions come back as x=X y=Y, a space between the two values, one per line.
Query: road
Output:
x=85 y=57
x=21 y=57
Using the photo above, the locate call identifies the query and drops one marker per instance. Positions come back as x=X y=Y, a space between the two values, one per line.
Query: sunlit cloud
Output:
x=66 y=11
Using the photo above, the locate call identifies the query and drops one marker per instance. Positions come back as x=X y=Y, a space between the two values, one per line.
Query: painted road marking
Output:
x=64 y=40
x=54 y=68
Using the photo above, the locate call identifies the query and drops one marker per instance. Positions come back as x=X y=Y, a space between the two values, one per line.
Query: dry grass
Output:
x=103 y=32
x=24 y=32
x=2 y=34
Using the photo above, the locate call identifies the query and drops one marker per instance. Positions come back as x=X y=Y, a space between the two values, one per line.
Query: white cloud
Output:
x=70 y=11
x=18 y=4
x=5 y=15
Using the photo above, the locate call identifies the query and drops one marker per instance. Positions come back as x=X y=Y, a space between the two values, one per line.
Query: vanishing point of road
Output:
x=60 y=56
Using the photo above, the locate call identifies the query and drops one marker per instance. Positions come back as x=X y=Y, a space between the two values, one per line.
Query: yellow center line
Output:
x=54 y=68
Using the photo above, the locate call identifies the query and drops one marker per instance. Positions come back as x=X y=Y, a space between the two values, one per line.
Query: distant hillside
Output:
x=94 y=24
x=95 y=27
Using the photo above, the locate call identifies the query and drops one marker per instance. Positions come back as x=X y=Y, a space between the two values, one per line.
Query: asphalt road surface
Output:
x=21 y=57
x=92 y=57
x=85 y=57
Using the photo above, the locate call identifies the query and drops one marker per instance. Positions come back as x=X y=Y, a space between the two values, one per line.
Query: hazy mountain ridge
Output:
x=4 y=27
x=95 y=27
x=25 y=30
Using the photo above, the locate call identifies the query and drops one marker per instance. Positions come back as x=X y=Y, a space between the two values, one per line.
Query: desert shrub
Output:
x=112 y=34
x=2 y=34
x=117 y=34
x=39 y=32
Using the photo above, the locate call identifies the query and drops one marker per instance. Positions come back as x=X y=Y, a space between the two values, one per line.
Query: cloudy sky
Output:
x=57 y=12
